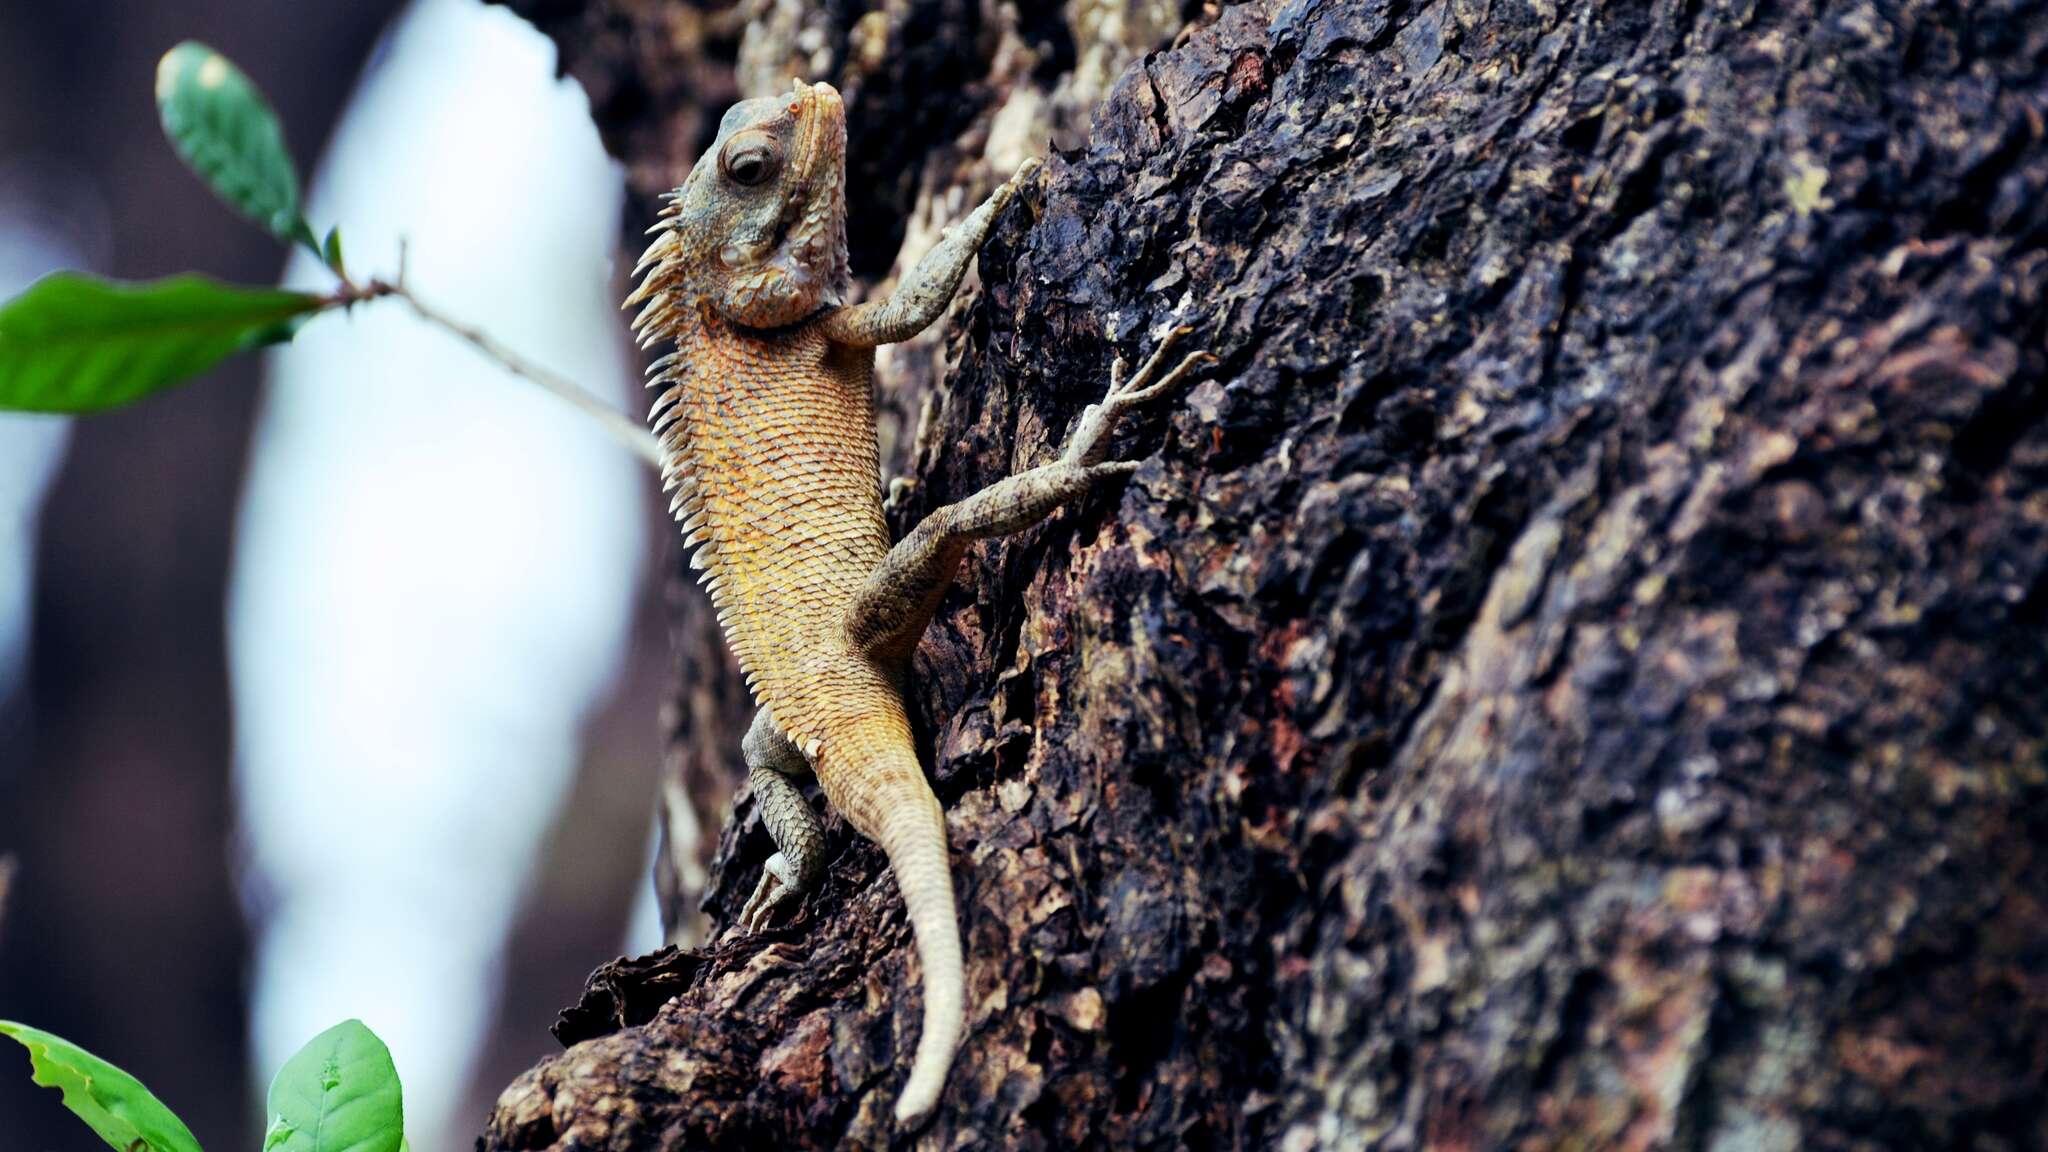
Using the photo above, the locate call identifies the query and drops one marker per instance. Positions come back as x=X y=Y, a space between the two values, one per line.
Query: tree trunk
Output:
x=1573 y=676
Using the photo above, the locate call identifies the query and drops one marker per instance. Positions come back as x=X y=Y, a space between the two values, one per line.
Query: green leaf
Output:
x=74 y=343
x=224 y=129
x=115 y=1104
x=331 y=251
x=339 y=1094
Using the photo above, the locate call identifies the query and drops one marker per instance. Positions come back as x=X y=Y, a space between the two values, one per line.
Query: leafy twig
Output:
x=75 y=343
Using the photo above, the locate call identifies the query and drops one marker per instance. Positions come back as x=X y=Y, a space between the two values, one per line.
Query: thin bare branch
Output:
x=627 y=432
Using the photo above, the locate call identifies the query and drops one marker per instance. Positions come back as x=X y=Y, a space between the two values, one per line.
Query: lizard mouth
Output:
x=819 y=116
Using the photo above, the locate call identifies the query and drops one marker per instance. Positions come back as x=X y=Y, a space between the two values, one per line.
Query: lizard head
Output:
x=757 y=232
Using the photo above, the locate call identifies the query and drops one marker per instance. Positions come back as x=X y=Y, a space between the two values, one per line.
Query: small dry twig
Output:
x=632 y=435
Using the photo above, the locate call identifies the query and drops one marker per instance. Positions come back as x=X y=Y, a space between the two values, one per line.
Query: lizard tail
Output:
x=912 y=831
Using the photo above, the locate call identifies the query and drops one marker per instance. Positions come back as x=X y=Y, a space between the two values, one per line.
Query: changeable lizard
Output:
x=765 y=412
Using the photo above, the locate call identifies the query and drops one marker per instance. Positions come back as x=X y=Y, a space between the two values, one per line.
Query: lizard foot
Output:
x=1024 y=172
x=1089 y=443
x=978 y=223
x=777 y=888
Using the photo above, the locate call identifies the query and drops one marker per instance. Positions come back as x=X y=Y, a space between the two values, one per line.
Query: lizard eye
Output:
x=751 y=165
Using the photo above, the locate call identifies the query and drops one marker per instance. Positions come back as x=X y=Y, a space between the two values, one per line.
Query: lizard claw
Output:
x=1140 y=388
x=1089 y=442
x=1112 y=468
x=1138 y=391
x=1008 y=189
x=774 y=891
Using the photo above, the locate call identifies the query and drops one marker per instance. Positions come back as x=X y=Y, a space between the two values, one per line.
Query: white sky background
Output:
x=30 y=446
x=436 y=563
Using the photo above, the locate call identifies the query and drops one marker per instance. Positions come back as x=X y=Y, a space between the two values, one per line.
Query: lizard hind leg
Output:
x=773 y=763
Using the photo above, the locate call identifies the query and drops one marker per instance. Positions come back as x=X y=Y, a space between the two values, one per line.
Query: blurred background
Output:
x=328 y=682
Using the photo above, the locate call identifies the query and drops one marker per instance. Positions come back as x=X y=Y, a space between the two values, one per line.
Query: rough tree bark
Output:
x=1574 y=677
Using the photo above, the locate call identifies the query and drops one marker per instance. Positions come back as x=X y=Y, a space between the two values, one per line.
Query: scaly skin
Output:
x=766 y=415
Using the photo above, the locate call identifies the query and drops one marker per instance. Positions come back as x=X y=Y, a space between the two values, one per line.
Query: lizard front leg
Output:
x=924 y=293
x=890 y=613
x=773 y=764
